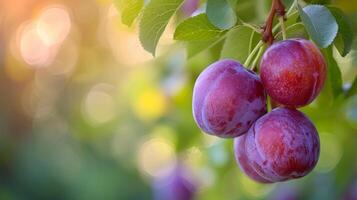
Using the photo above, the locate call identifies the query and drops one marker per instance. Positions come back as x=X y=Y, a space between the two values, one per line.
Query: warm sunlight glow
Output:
x=99 y=106
x=33 y=49
x=53 y=25
x=150 y=104
x=330 y=154
x=156 y=157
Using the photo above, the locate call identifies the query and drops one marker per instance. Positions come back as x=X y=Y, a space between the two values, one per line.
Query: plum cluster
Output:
x=230 y=101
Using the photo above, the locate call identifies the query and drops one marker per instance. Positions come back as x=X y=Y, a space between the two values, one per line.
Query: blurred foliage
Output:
x=86 y=113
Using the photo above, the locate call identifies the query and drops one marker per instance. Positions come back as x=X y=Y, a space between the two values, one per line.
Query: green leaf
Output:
x=196 y=47
x=239 y=42
x=354 y=53
x=295 y=31
x=246 y=10
x=130 y=9
x=216 y=49
x=318 y=1
x=334 y=76
x=155 y=18
x=293 y=19
x=197 y=28
x=352 y=18
x=319 y=23
x=262 y=8
x=221 y=13
x=344 y=39
x=353 y=89
x=288 y=3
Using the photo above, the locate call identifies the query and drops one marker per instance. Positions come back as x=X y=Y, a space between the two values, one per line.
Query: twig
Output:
x=254 y=28
x=260 y=44
x=276 y=8
x=251 y=55
x=283 y=30
x=260 y=52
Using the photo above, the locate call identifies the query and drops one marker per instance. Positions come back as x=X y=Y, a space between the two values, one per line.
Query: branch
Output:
x=276 y=8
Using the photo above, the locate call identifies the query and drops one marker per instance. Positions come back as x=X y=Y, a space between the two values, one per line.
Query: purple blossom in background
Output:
x=176 y=185
x=190 y=6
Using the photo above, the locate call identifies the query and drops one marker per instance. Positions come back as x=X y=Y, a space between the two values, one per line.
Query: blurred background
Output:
x=86 y=113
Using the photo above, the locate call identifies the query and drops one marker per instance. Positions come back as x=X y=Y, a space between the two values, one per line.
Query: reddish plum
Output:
x=227 y=99
x=281 y=145
x=293 y=72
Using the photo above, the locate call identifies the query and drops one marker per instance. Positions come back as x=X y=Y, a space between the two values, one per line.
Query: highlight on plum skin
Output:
x=227 y=99
x=293 y=72
x=281 y=145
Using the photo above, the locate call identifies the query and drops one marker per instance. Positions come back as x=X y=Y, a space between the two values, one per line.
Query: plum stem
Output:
x=251 y=55
x=260 y=44
x=276 y=8
x=273 y=104
x=254 y=28
x=255 y=61
x=288 y=28
x=283 y=30
x=291 y=9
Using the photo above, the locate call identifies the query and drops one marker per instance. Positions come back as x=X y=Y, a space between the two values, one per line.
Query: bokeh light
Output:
x=33 y=49
x=122 y=41
x=150 y=104
x=53 y=25
x=156 y=157
x=40 y=38
x=99 y=106
x=254 y=189
x=66 y=59
x=330 y=153
x=351 y=111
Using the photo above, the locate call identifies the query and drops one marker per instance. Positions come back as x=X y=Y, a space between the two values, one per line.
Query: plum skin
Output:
x=227 y=99
x=281 y=145
x=293 y=72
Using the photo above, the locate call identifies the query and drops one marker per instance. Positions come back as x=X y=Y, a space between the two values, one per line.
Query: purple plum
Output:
x=281 y=145
x=227 y=99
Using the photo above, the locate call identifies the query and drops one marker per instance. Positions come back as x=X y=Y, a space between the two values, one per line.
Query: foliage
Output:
x=324 y=25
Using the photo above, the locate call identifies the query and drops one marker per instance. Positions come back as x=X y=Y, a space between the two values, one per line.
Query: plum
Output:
x=175 y=185
x=293 y=72
x=280 y=146
x=227 y=99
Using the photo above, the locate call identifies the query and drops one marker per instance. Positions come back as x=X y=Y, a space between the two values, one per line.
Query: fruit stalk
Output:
x=276 y=8
x=283 y=30
x=255 y=61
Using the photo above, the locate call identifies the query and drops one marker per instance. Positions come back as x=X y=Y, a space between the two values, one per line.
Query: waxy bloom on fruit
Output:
x=227 y=99
x=293 y=72
x=281 y=145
